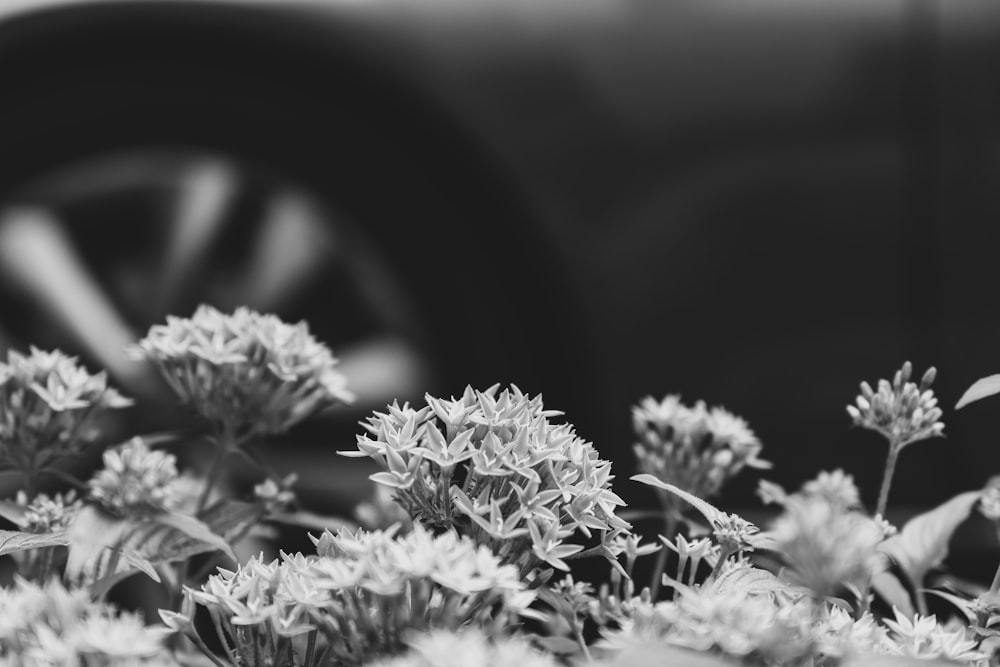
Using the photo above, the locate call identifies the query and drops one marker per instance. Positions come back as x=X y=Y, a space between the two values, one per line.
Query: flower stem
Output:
x=310 y=648
x=223 y=444
x=578 y=631
x=890 y=470
x=669 y=528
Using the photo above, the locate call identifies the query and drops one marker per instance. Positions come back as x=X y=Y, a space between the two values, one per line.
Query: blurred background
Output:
x=758 y=203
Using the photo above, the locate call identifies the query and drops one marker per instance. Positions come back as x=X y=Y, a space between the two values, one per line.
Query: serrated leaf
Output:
x=751 y=581
x=132 y=565
x=13 y=512
x=981 y=388
x=194 y=529
x=12 y=541
x=923 y=542
x=92 y=534
x=707 y=509
x=230 y=518
x=105 y=549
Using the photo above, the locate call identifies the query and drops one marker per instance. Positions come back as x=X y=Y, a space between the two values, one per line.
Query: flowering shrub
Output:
x=480 y=507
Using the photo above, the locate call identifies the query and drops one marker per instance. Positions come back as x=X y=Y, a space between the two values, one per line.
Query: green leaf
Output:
x=981 y=388
x=132 y=564
x=892 y=591
x=13 y=512
x=923 y=542
x=707 y=509
x=750 y=581
x=105 y=549
x=93 y=534
x=194 y=529
x=230 y=518
x=12 y=541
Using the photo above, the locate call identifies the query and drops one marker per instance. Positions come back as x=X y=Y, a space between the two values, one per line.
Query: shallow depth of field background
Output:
x=758 y=203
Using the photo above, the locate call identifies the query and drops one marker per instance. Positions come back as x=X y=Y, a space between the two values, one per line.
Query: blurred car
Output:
x=758 y=203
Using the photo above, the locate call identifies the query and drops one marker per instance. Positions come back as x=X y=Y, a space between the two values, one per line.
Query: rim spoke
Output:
x=292 y=244
x=37 y=256
x=206 y=189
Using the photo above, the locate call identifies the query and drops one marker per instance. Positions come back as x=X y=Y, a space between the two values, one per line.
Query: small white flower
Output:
x=695 y=448
x=48 y=404
x=835 y=487
x=135 y=479
x=825 y=545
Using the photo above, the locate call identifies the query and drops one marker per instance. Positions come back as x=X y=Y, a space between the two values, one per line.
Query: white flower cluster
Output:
x=361 y=595
x=902 y=411
x=135 y=480
x=825 y=546
x=826 y=542
x=466 y=648
x=48 y=404
x=918 y=638
x=48 y=514
x=763 y=625
x=245 y=372
x=49 y=625
x=764 y=629
x=523 y=485
x=695 y=448
x=44 y=514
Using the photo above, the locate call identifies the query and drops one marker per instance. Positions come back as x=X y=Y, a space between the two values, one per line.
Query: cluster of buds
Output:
x=44 y=514
x=245 y=373
x=135 y=480
x=902 y=411
x=522 y=485
x=49 y=625
x=358 y=598
x=276 y=496
x=48 y=407
x=48 y=514
x=697 y=449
